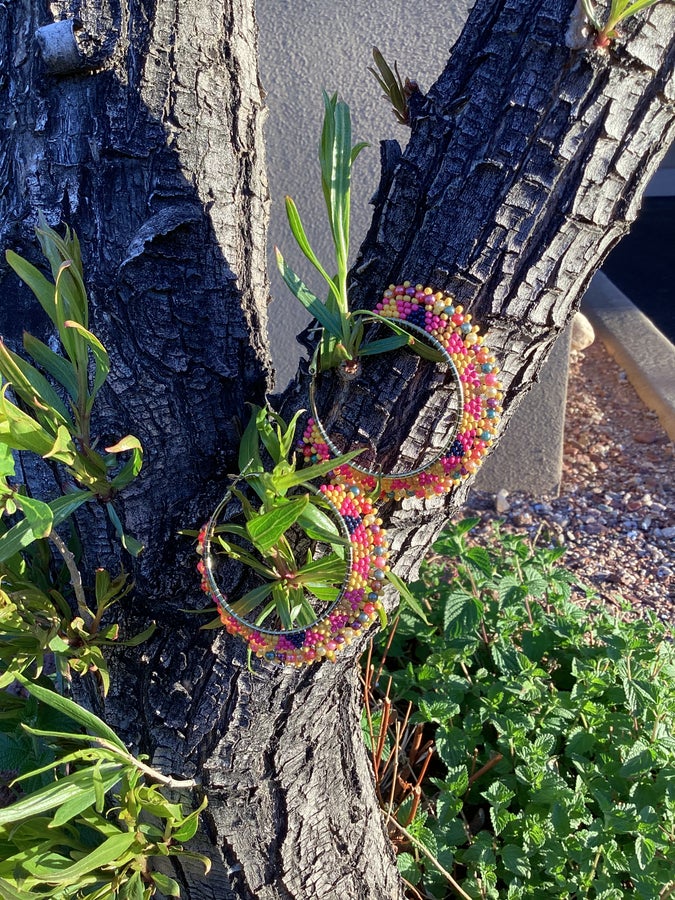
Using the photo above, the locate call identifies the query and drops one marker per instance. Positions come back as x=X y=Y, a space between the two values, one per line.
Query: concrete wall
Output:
x=307 y=45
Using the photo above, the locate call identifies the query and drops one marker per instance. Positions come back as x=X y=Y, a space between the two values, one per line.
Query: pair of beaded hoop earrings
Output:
x=351 y=488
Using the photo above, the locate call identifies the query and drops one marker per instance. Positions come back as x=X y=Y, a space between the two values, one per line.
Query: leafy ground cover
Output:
x=523 y=742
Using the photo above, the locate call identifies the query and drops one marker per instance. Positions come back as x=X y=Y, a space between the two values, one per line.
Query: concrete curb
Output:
x=645 y=354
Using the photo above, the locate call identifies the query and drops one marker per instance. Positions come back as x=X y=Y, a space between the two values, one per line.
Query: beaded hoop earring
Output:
x=451 y=327
x=453 y=413
x=354 y=609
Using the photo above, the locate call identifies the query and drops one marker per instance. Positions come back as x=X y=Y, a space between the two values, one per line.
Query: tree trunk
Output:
x=526 y=165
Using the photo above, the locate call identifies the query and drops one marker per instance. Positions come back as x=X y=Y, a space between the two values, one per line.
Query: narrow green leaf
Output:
x=36 y=281
x=32 y=387
x=408 y=598
x=266 y=530
x=56 y=366
x=100 y=355
x=21 y=535
x=385 y=345
x=300 y=236
x=328 y=569
x=106 y=854
x=251 y=599
x=78 y=714
x=324 y=317
x=55 y=794
x=309 y=473
x=249 y=454
x=188 y=827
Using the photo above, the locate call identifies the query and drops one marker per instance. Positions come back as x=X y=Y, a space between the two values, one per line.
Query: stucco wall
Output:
x=307 y=45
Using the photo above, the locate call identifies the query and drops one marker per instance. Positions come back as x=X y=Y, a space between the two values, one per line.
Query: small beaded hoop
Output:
x=357 y=604
x=362 y=471
x=446 y=323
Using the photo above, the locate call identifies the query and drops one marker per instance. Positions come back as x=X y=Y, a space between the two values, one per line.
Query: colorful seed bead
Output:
x=359 y=603
x=436 y=312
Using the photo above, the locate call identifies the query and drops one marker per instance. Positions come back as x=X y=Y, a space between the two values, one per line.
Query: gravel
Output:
x=616 y=509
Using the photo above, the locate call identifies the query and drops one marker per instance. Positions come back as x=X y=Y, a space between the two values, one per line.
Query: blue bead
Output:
x=364 y=618
x=486 y=367
x=379 y=575
x=353 y=488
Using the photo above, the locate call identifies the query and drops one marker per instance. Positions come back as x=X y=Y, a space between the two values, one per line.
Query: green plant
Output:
x=342 y=341
x=40 y=421
x=58 y=839
x=284 y=522
x=81 y=817
x=394 y=88
x=552 y=722
x=619 y=10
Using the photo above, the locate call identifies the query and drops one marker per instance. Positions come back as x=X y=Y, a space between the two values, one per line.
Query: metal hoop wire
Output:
x=221 y=599
x=436 y=344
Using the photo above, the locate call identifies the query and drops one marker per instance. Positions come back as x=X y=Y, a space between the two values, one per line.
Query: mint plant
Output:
x=552 y=721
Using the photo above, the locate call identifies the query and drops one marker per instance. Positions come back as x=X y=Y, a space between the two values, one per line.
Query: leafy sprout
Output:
x=343 y=329
x=394 y=88
x=619 y=10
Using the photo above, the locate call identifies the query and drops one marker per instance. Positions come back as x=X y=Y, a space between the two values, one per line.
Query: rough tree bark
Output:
x=526 y=165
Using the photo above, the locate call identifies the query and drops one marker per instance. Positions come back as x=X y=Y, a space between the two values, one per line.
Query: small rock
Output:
x=646 y=437
x=523 y=519
x=667 y=533
x=583 y=334
x=646 y=523
x=502 y=504
x=664 y=572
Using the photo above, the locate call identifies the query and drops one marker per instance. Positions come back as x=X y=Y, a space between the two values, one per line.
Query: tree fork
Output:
x=526 y=164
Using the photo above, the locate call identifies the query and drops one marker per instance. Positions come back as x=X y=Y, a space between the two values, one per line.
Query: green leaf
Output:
x=58 y=793
x=318 y=526
x=409 y=869
x=329 y=569
x=32 y=387
x=407 y=597
x=318 y=470
x=100 y=355
x=384 y=345
x=106 y=854
x=66 y=707
x=250 y=600
x=249 y=454
x=265 y=530
x=301 y=238
x=324 y=317
x=516 y=860
x=480 y=558
x=188 y=827
x=21 y=535
x=134 y=465
x=167 y=886
x=36 y=281
x=39 y=515
x=56 y=366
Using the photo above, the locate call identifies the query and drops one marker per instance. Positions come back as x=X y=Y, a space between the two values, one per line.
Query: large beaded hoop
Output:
x=357 y=605
x=452 y=328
